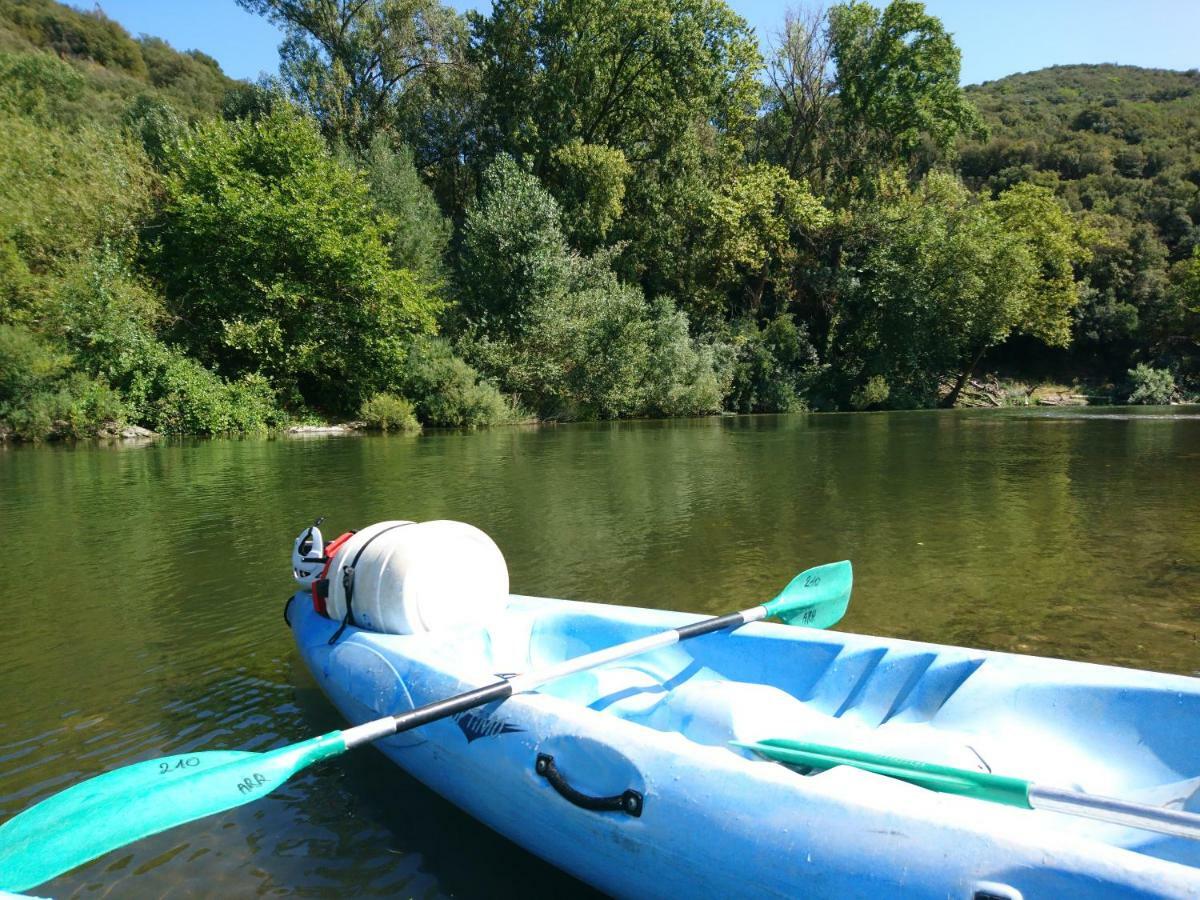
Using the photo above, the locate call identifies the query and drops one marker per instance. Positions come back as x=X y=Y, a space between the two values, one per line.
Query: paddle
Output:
x=983 y=786
x=119 y=807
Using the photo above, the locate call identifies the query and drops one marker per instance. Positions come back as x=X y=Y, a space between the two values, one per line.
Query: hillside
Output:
x=114 y=66
x=1122 y=146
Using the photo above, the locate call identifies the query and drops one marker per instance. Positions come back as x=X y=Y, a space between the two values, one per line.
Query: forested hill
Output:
x=113 y=66
x=1121 y=145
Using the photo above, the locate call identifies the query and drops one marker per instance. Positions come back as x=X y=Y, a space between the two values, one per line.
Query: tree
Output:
x=631 y=74
x=273 y=260
x=562 y=331
x=667 y=87
x=418 y=234
x=800 y=96
x=589 y=182
x=897 y=85
x=939 y=276
x=513 y=248
x=859 y=90
x=363 y=67
x=760 y=222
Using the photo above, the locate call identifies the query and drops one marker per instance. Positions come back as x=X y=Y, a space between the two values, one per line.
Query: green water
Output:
x=145 y=586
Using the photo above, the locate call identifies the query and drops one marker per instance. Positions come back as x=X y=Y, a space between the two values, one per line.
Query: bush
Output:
x=66 y=192
x=580 y=353
x=774 y=366
x=873 y=394
x=388 y=412
x=40 y=87
x=684 y=376
x=562 y=331
x=41 y=398
x=155 y=125
x=1155 y=387
x=273 y=259
x=174 y=394
x=104 y=315
x=449 y=391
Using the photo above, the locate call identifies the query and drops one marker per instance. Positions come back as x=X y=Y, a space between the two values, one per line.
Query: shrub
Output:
x=66 y=192
x=41 y=87
x=872 y=394
x=41 y=398
x=174 y=394
x=1151 y=386
x=104 y=315
x=449 y=391
x=773 y=366
x=684 y=376
x=274 y=260
x=388 y=412
x=155 y=125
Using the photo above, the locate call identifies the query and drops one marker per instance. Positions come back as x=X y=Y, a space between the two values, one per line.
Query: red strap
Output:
x=331 y=550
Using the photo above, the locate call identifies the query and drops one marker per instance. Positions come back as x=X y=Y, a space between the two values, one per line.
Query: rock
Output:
x=114 y=432
x=342 y=428
x=136 y=433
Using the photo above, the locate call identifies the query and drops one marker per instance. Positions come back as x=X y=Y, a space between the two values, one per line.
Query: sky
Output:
x=997 y=37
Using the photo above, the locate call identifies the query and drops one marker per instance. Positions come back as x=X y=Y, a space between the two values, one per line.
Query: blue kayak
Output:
x=626 y=776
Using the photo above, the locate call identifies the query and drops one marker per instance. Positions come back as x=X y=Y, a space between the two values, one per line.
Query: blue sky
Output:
x=997 y=37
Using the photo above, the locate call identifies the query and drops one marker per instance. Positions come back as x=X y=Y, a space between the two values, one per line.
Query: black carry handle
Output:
x=629 y=802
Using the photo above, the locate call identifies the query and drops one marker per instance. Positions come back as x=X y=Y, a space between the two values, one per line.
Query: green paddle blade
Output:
x=945 y=779
x=816 y=598
x=121 y=806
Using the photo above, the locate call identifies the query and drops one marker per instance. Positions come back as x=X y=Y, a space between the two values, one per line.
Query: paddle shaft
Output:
x=1177 y=822
x=502 y=690
x=985 y=786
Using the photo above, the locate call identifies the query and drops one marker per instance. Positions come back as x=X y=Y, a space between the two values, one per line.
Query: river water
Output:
x=145 y=585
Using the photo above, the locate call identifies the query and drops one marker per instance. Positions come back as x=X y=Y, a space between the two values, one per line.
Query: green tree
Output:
x=632 y=74
x=893 y=98
x=418 y=234
x=897 y=85
x=273 y=260
x=760 y=222
x=589 y=183
x=670 y=85
x=940 y=276
x=562 y=331
x=513 y=248
x=364 y=67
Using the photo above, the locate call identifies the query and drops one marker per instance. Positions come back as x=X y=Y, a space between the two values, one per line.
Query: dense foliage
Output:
x=1120 y=146
x=574 y=210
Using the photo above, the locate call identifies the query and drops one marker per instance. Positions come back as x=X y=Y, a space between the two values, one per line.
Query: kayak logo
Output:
x=476 y=726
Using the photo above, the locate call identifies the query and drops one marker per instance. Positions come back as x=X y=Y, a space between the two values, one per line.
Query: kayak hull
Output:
x=710 y=820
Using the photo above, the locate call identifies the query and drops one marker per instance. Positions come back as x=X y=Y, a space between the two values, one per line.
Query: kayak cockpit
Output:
x=1090 y=728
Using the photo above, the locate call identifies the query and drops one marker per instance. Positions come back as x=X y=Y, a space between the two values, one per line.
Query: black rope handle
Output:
x=629 y=802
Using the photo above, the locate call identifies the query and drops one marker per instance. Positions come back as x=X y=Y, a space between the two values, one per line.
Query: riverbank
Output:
x=988 y=392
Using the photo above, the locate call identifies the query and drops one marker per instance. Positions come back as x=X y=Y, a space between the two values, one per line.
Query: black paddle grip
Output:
x=443 y=709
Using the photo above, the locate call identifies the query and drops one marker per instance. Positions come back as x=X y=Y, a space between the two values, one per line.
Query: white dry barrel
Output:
x=412 y=577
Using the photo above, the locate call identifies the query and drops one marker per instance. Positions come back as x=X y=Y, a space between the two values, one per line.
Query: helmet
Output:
x=308 y=555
